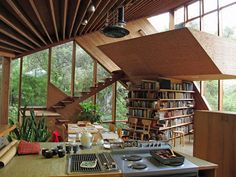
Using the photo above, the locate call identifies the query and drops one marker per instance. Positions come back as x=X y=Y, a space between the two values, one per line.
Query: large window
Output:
x=83 y=71
x=211 y=93
x=14 y=90
x=121 y=103
x=160 y=22
x=61 y=66
x=229 y=96
x=34 y=79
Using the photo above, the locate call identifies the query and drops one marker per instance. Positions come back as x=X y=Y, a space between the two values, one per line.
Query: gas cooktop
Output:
x=139 y=162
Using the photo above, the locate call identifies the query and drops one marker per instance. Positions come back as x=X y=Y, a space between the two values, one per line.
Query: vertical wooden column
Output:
x=73 y=69
x=19 y=88
x=171 y=22
x=49 y=71
x=6 y=63
x=220 y=95
x=114 y=102
x=95 y=79
x=202 y=88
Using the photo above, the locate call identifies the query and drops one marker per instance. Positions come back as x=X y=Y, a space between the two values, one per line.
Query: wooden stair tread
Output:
x=58 y=106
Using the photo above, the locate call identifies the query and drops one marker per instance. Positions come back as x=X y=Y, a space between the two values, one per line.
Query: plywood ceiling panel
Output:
x=174 y=53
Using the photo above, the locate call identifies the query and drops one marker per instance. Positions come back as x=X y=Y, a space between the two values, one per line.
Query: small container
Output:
x=60 y=146
x=61 y=153
x=48 y=154
x=44 y=150
x=75 y=148
x=54 y=151
x=68 y=148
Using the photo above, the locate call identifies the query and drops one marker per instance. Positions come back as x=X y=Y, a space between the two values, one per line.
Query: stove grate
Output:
x=77 y=159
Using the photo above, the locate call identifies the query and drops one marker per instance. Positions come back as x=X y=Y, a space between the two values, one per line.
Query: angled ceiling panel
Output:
x=182 y=54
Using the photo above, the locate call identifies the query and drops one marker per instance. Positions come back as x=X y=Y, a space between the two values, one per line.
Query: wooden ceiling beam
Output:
x=89 y=15
x=9 y=48
x=12 y=43
x=4 y=53
x=64 y=18
x=40 y=19
x=54 y=18
x=108 y=8
x=81 y=15
x=25 y=20
x=136 y=6
x=74 y=17
x=96 y=15
x=8 y=20
x=10 y=33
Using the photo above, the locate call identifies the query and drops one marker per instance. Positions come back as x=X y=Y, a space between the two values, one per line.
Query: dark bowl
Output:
x=54 y=151
x=60 y=146
x=61 y=153
x=48 y=154
x=44 y=150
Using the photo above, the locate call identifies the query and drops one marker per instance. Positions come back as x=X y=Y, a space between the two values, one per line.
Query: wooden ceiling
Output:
x=27 y=26
x=182 y=54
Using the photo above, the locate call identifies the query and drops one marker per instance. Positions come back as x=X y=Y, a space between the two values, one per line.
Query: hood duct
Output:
x=117 y=30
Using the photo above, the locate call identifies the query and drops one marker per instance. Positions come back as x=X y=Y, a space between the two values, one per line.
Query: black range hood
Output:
x=117 y=30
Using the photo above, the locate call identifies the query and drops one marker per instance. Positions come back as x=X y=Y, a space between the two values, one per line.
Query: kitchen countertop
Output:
x=38 y=166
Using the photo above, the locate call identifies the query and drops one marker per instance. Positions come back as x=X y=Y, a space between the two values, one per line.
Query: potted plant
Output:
x=31 y=130
x=90 y=112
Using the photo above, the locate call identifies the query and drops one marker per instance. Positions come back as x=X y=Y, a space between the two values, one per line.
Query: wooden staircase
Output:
x=69 y=106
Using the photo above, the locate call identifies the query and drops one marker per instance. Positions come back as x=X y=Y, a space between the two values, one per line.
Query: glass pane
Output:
x=14 y=88
x=102 y=73
x=121 y=108
x=160 y=22
x=210 y=23
x=225 y=2
x=104 y=101
x=83 y=71
x=195 y=24
x=34 y=79
x=211 y=93
x=197 y=84
x=193 y=10
x=61 y=66
x=179 y=15
x=227 y=22
x=209 y=5
x=229 y=95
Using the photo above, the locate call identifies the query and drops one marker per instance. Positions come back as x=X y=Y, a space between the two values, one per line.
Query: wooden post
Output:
x=114 y=102
x=202 y=88
x=171 y=22
x=95 y=79
x=19 y=88
x=220 y=95
x=6 y=63
x=49 y=71
x=73 y=69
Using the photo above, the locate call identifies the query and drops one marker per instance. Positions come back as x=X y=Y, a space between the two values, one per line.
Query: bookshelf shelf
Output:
x=174 y=126
x=175 y=108
x=142 y=108
x=188 y=99
x=176 y=117
x=143 y=99
x=169 y=90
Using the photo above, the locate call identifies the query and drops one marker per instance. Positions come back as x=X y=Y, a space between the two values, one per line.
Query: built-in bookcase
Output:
x=166 y=103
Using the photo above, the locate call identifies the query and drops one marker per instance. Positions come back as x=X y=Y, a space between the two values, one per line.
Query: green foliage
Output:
x=90 y=112
x=211 y=93
x=31 y=130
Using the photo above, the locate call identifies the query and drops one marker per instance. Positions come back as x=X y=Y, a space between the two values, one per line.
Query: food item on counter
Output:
x=88 y=164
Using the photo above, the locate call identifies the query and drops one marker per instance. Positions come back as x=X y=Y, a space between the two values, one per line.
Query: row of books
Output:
x=174 y=104
x=139 y=94
x=175 y=95
x=144 y=104
x=145 y=84
x=172 y=113
x=142 y=113
x=169 y=133
x=188 y=86
x=170 y=123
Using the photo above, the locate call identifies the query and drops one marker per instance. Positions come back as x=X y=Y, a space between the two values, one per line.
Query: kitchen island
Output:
x=38 y=166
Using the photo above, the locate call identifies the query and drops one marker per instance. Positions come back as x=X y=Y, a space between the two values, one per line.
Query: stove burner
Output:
x=138 y=166
x=132 y=158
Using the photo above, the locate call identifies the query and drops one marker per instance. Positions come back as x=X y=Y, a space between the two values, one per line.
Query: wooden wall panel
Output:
x=215 y=140
x=91 y=41
x=6 y=62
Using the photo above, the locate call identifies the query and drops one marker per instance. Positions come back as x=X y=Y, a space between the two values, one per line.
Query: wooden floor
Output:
x=187 y=148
